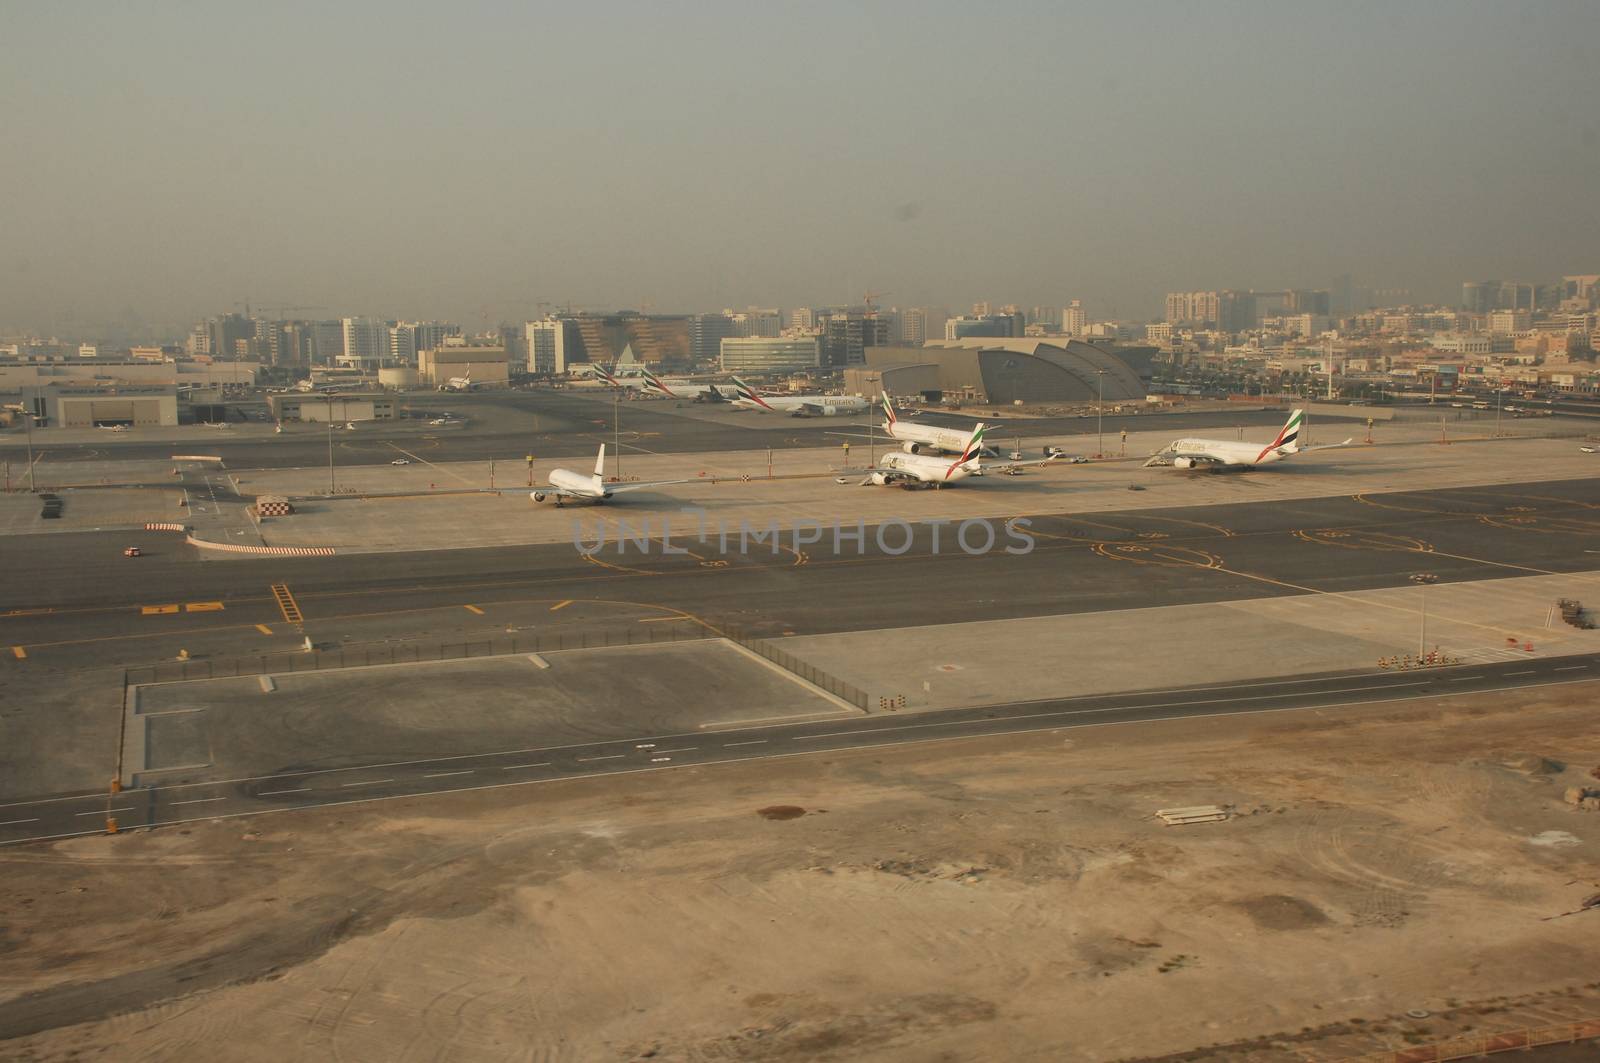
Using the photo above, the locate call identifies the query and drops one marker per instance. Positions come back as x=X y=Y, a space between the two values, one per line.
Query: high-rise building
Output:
x=403 y=343
x=847 y=333
x=1228 y=311
x=1307 y=301
x=366 y=342
x=227 y=331
x=804 y=318
x=552 y=344
x=706 y=333
x=914 y=327
x=326 y=342
x=1073 y=319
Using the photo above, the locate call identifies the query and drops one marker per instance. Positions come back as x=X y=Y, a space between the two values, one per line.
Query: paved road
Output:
x=171 y=805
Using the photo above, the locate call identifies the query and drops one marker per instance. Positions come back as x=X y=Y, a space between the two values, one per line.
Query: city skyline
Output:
x=440 y=172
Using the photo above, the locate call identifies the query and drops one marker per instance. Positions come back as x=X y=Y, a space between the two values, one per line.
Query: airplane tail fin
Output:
x=970 y=452
x=600 y=465
x=748 y=393
x=1289 y=438
x=888 y=409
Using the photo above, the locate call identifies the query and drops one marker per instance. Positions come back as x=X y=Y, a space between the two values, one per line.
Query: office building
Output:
x=706 y=333
x=960 y=328
x=913 y=327
x=366 y=342
x=762 y=354
x=846 y=334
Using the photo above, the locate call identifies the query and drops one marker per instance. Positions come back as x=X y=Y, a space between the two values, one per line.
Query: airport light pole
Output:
x=616 y=428
x=1498 y=392
x=27 y=426
x=1422 y=579
x=1099 y=414
x=330 y=446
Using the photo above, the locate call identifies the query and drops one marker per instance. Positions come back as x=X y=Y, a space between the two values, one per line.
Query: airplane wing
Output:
x=1327 y=446
x=636 y=485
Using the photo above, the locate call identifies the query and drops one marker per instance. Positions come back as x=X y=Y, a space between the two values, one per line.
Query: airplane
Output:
x=798 y=405
x=566 y=484
x=912 y=471
x=458 y=383
x=1227 y=453
x=113 y=427
x=922 y=438
x=683 y=390
x=216 y=424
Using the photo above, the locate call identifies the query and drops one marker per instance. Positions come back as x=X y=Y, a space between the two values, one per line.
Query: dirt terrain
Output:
x=1002 y=898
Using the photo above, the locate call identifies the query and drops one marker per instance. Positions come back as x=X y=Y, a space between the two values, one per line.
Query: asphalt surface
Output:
x=172 y=805
x=507 y=425
x=73 y=601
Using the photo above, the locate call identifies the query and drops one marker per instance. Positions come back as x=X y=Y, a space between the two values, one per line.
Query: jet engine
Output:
x=538 y=496
x=1184 y=463
x=877 y=479
x=912 y=448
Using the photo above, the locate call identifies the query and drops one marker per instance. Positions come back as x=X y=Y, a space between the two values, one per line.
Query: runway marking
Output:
x=19 y=653
x=106 y=812
x=157 y=610
x=287 y=605
x=369 y=782
x=199 y=801
x=473 y=609
x=264 y=629
x=15 y=822
x=561 y=605
x=659 y=619
x=680 y=749
x=755 y=742
x=1571 y=668
x=203 y=607
x=1465 y=678
x=447 y=774
x=519 y=767
x=296 y=790
x=609 y=756
x=1508 y=675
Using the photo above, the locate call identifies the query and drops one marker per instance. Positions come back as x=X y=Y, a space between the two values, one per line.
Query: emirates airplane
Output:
x=567 y=485
x=1234 y=454
x=798 y=405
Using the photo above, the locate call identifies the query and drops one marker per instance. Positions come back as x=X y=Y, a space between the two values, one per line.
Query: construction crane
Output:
x=867 y=299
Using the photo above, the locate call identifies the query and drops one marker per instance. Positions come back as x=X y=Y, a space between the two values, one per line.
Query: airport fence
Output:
x=666 y=630
x=790 y=663
x=1480 y=1045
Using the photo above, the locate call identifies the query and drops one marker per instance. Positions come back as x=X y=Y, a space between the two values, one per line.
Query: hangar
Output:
x=341 y=407
x=997 y=371
x=67 y=407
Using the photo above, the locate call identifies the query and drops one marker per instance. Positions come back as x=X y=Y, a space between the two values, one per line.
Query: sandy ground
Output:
x=1003 y=898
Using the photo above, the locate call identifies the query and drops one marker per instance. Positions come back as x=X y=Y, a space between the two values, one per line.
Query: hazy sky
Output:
x=163 y=160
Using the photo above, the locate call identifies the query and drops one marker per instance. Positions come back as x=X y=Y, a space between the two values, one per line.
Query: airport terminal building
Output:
x=1001 y=371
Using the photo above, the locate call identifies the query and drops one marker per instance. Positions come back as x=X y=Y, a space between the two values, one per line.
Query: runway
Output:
x=285 y=791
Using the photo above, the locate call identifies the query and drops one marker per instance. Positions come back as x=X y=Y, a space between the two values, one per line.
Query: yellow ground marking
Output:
x=264 y=629
x=561 y=605
x=286 y=604
x=593 y=560
x=436 y=468
x=473 y=609
x=659 y=619
x=155 y=610
x=19 y=653
x=203 y=607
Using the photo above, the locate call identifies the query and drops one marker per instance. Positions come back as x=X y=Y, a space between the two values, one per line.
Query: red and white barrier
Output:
x=265 y=551
x=166 y=527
